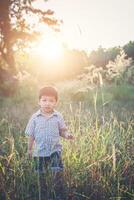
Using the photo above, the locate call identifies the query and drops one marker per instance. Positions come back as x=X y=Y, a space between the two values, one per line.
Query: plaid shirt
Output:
x=46 y=132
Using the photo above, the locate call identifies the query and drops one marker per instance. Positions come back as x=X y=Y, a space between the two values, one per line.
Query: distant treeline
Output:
x=74 y=62
x=101 y=56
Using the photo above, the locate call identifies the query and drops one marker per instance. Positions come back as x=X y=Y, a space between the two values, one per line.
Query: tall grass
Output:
x=101 y=157
x=99 y=164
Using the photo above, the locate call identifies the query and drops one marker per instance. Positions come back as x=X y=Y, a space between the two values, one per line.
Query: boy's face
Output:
x=47 y=103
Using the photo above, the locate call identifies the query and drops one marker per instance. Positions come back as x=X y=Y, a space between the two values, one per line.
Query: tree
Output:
x=102 y=56
x=129 y=49
x=98 y=57
x=15 y=31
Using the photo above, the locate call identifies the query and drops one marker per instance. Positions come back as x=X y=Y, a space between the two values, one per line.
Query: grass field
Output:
x=99 y=164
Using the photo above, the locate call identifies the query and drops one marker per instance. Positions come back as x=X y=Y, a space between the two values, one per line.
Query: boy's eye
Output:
x=50 y=101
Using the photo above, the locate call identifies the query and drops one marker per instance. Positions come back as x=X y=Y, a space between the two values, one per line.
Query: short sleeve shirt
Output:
x=46 y=132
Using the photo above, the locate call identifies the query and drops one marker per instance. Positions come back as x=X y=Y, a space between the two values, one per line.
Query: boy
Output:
x=44 y=130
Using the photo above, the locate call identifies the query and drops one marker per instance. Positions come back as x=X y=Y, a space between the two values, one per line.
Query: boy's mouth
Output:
x=47 y=108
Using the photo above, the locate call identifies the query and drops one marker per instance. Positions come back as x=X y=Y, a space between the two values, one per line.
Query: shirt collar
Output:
x=38 y=113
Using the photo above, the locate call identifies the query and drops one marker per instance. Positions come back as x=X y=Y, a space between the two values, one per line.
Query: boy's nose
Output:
x=47 y=103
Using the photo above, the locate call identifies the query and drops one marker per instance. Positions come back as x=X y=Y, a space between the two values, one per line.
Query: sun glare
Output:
x=49 y=49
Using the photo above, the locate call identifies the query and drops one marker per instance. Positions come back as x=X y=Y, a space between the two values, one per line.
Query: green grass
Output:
x=99 y=164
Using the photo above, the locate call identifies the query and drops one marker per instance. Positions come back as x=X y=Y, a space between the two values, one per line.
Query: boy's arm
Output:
x=30 y=145
x=65 y=134
x=63 y=129
x=30 y=131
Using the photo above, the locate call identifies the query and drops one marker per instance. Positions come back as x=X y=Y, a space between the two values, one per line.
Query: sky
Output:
x=88 y=24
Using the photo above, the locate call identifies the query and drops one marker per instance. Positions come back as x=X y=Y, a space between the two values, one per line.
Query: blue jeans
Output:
x=53 y=162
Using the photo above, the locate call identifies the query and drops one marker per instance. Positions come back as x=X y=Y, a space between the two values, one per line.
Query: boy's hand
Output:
x=70 y=137
x=29 y=154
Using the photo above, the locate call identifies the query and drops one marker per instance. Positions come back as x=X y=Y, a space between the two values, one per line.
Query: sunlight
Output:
x=50 y=49
x=48 y=54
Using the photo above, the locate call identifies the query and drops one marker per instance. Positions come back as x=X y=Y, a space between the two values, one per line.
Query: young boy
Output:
x=44 y=130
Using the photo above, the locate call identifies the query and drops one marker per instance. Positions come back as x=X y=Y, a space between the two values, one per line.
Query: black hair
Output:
x=48 y=91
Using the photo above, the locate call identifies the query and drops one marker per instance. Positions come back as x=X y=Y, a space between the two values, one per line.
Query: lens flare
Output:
x=49 y=49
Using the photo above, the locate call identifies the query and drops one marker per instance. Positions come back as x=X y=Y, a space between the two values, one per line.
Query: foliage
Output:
x=16 y=31
x=118 y=71
x=73 y=63
x=101 y=56
x=129 y=49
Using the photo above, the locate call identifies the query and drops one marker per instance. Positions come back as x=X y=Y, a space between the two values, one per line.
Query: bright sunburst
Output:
x=50 y=49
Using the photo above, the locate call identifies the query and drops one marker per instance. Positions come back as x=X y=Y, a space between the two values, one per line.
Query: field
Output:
x=99 y=164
